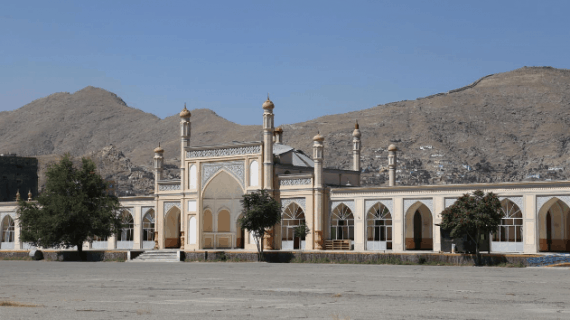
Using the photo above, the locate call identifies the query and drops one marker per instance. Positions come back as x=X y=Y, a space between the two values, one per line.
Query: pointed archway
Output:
x=554 y=226
x=419 y=228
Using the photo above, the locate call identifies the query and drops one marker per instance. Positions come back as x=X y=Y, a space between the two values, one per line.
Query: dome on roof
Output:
x=158 y=149
x=185 y=113
x=268 y=104
x=318 y=137
x=392 y=147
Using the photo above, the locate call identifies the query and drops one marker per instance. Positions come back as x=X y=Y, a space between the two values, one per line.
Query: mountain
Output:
x=510 y=126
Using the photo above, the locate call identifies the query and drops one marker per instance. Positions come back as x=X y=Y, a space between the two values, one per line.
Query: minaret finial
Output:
x=18 y=195
x=268 y=96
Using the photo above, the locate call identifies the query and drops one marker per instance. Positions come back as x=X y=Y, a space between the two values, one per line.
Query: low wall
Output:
x=353 y=257
x=89 y=255
x=20 y=254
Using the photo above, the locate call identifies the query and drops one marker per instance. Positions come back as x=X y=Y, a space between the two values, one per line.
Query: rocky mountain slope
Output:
x=504 y=127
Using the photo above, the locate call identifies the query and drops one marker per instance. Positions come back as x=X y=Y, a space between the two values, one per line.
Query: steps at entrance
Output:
x=158 y=256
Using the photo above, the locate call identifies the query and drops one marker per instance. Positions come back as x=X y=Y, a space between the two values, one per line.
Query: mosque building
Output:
x=201 y=210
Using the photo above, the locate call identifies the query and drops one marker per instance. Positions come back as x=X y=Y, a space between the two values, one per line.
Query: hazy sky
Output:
x=313 y=57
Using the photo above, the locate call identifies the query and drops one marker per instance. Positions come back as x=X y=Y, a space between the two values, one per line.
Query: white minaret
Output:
x=392 y=164
x=184 y=142
x=356 y=148
x=318 y=156
x=158 y=161
x=268 y=144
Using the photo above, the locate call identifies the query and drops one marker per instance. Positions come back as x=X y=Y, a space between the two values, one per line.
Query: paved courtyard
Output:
x=107 y=290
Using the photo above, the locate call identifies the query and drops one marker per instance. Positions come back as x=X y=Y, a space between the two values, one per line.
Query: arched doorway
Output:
x=509 y=235
x=419 y=228
x=148 y=226
x=7 y=233
x=554 y=226
x=292 y=217
x=126 y=235
x=342 y=223
x=378 y=228
x=223 y=234
x=172 y=228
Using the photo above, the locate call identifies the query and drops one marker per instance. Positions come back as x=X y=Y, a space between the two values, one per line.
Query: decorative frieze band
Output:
x=300 y=201
x=388 y=203
x=168 y=187
x=410 y=202
x=235 y=168
x=295 y=182
x=224 y=152
x=169 y=205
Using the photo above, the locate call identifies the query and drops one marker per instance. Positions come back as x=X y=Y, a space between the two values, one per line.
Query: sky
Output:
x=312 y=57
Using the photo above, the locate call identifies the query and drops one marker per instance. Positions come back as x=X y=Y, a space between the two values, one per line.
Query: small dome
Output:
x=356 y=133
x=158 y=149
x=185 y=113
x=318 y=137
x=268 y=104
x=279 y=129
x=392 y=147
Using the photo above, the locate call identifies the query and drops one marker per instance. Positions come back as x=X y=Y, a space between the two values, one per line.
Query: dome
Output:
x=279 y=129
x=318 y=137
x=392 y=147
x=158 y=149
x=185 y=113
x=268 y=104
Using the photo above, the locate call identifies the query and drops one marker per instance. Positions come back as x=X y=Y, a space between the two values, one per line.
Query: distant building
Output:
x=17 y=174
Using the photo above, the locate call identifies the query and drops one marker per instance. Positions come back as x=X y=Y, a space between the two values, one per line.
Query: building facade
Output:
x=201 y=210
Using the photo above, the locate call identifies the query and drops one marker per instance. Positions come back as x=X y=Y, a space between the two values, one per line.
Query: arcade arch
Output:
x=148 y=227
x=554 y=226
x=7 y=232
x=378 y=228
x=509 y=235
x=342 y=223
x=292 y=217
x=419 y=228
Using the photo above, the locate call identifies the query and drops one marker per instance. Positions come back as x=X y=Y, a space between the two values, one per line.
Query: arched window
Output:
x=148 y=226
x=342 y=223
x=511 y=227
x=292 y=217
x=224 y=221
x=7 y=229
x=127 y=233
x=253 y=173
x=208 y=221
x=379 y=228
x=192 y=177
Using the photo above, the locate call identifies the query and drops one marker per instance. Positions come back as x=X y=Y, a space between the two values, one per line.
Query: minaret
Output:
x=29 y=195
x=319 y=190
x=268 y=144
x=392 y=164
x=184 y=142
x=158 y=160
x=356 y=148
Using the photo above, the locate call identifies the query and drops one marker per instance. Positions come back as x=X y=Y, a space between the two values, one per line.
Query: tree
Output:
x=73 y=207
x=301 y=231
x=473 y=215
x=260 y=212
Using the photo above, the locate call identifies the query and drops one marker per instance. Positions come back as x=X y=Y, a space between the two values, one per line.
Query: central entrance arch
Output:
x=221 y=207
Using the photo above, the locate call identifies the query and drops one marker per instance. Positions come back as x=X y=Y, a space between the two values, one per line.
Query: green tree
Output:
x=473 y=215
x=301 y=231
x=260 y=212
x=73 y=207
